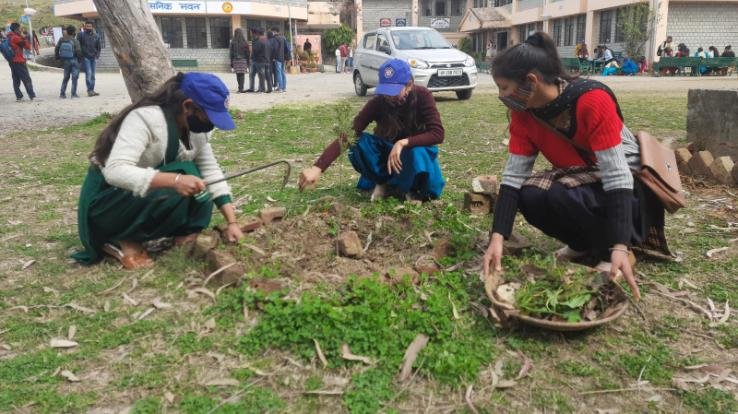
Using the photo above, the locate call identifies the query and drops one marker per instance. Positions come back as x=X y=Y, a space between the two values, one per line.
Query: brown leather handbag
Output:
x=659 y=172
x=658 y=167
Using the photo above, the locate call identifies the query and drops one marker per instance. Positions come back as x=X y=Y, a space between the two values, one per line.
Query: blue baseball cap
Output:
x=210 y=94
x=394 y=74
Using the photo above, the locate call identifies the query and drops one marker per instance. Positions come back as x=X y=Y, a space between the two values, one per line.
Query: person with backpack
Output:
x=89 y=40
x=279 y=50
x=69 y=51
x=18 y=68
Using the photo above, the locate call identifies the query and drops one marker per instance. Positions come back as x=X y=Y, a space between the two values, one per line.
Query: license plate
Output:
x=449 y=72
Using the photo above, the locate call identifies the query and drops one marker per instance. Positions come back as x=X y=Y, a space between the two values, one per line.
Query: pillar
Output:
x=658 y=34
x=359 y=20
x=236 y=21
x=414 y=10
x=589 y=31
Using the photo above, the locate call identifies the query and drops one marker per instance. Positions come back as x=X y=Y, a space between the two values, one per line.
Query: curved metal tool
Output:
x=250 y=170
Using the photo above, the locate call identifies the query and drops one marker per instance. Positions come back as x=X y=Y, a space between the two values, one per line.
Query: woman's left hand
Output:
x=233 y=233
x=619 y=260
x=394 y=163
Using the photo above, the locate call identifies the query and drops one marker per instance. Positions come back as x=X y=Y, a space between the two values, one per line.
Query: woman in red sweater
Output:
x=401 y=157
x=589 y=200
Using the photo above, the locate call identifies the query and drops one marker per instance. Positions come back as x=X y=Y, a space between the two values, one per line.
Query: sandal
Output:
x=129 y=262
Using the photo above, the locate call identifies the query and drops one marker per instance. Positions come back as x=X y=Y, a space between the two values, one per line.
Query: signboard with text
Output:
x=385 y=22
x=440 y=22
x=200 y=7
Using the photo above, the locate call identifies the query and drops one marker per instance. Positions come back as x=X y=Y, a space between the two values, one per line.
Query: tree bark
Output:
x=132 y=32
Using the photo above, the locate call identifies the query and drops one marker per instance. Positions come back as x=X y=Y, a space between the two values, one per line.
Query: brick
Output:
x=249 y=224
x=683 y=155
x=721 y=169
x=700 y=162
x=271 y=214
x=427 y=265
x=477 y=203
x=218 y=259
x=349 y=244
x=485 y=184
x=205 y=242
x=515 y=244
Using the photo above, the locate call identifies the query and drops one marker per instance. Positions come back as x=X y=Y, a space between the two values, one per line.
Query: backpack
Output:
x=6 y=50
x=66 y=49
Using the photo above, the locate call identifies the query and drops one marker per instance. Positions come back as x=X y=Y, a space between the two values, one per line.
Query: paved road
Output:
x=50 y=111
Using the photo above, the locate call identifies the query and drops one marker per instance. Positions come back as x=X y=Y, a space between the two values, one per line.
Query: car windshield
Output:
x=419 y=39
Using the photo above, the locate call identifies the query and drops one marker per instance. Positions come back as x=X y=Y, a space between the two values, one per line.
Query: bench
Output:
x=720 y=65
x=184 y=63
x=575 y=65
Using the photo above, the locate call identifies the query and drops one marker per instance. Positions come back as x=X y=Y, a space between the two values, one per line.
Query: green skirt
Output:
x=110 y=214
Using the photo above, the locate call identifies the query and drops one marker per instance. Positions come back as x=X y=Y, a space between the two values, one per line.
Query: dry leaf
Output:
x=134 y=285
x=347 y=355
x=255 y=249
x=454 y=311
x=63 y=343
x=714 y=252
x=69 y=376
x=71 y=332
x=222 y=382
x=527 y=366
x=320 y=354
x=411 y=354
x=27 y=264
x=130 y=300
x=169 y=397
x=106 y=306
x=506 y=384
x=210 y=324
x=204 y=291
x=145 y=313
x=158 y=304
x=80 y=308
x=468 y=399
x=271 y=200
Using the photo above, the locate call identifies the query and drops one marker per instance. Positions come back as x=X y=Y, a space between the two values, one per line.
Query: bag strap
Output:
x=583 y=152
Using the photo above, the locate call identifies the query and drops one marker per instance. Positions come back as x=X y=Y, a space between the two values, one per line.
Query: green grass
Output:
x=271 y=354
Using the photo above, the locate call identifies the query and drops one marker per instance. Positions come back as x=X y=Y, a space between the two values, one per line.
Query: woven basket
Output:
x=507 y=313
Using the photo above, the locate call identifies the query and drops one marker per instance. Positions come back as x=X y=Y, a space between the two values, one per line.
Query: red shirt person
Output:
x=18 y=68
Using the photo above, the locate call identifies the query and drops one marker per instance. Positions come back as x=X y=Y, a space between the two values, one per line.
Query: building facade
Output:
x=695 y=23
x=196 y=30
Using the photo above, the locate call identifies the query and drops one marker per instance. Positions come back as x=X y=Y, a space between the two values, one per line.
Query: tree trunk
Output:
x=131 y=30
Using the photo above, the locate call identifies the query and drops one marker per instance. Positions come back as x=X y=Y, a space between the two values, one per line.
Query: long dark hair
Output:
x=537 y=54
x=398 y=120
x=168 y=96
x=239 y=42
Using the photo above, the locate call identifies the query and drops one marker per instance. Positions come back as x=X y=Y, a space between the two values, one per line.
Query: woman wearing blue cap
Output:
x=147 y=165
x=401 y=156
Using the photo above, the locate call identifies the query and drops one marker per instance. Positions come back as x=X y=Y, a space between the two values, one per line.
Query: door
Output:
x=501 y=41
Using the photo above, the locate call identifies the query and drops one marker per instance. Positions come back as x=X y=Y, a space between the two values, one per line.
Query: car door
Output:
x=365 y=58
x=381 y=53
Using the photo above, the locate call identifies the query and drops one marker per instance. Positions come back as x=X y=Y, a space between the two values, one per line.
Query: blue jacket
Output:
x=90 y=43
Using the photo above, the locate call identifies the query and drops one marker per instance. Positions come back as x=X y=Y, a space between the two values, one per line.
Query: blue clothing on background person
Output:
x=629 y=67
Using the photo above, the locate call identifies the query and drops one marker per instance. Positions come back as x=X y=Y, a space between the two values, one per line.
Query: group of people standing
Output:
x=137 y=191
x=344 y=58
x=263 y=59
x=74 y=50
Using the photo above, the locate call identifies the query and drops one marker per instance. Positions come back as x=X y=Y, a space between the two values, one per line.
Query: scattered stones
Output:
x=205 y=242
x=721 y=169
x=477 y=203
x=485 y=184
x=271 y=214
x=249 y=224
x=218 y=259
x=442 y=248
x=700 y=163
x=683 y=155
x=265 y=285
x=515 y=244
x=427 y=265
x=349 y=244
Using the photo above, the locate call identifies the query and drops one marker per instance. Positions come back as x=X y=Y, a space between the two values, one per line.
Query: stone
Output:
x=266 y=286
x=683 y=155
x=427 y=265
x=721 y=169
x=271 y=214
x=691 y=147
x=395 y=275
x=711 y=121
x=205 y=242
x=700 y=163
x=485 y=184
x=477 y=203
x=442 y=248
x=232 y=275
x=515 y=244
x=249 y=224
x=349 y=244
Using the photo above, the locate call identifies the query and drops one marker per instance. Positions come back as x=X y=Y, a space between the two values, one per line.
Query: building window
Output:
x=440 y=8
x=426 y=6
x=480 y=3
x=619 y=22
x=569 y=32
x=197 y=35
x=581 y=28
x=605 y=27
x=171 y=31
x=220 y=32
x=456 y=8
x=500 y=3
x=557 y=32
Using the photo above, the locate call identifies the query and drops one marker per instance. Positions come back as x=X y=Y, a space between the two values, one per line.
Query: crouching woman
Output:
x=149 y=169
x=401 y=157
x=589 y=200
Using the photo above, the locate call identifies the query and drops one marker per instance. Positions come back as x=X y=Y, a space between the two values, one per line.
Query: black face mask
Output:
x=196 y=125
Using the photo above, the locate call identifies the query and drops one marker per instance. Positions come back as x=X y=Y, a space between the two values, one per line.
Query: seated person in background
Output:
x=581 y=52
x=401 y=157
x=668 y=70
x=630 y=67
x=149 y=169
x=728 y=52
x=712 y=52
x=700 y=53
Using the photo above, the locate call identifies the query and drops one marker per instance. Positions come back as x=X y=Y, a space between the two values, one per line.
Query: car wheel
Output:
x=359 y=86
x=464 y=94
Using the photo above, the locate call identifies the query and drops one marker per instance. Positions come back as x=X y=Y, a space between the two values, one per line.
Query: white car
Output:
x=435 y=63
